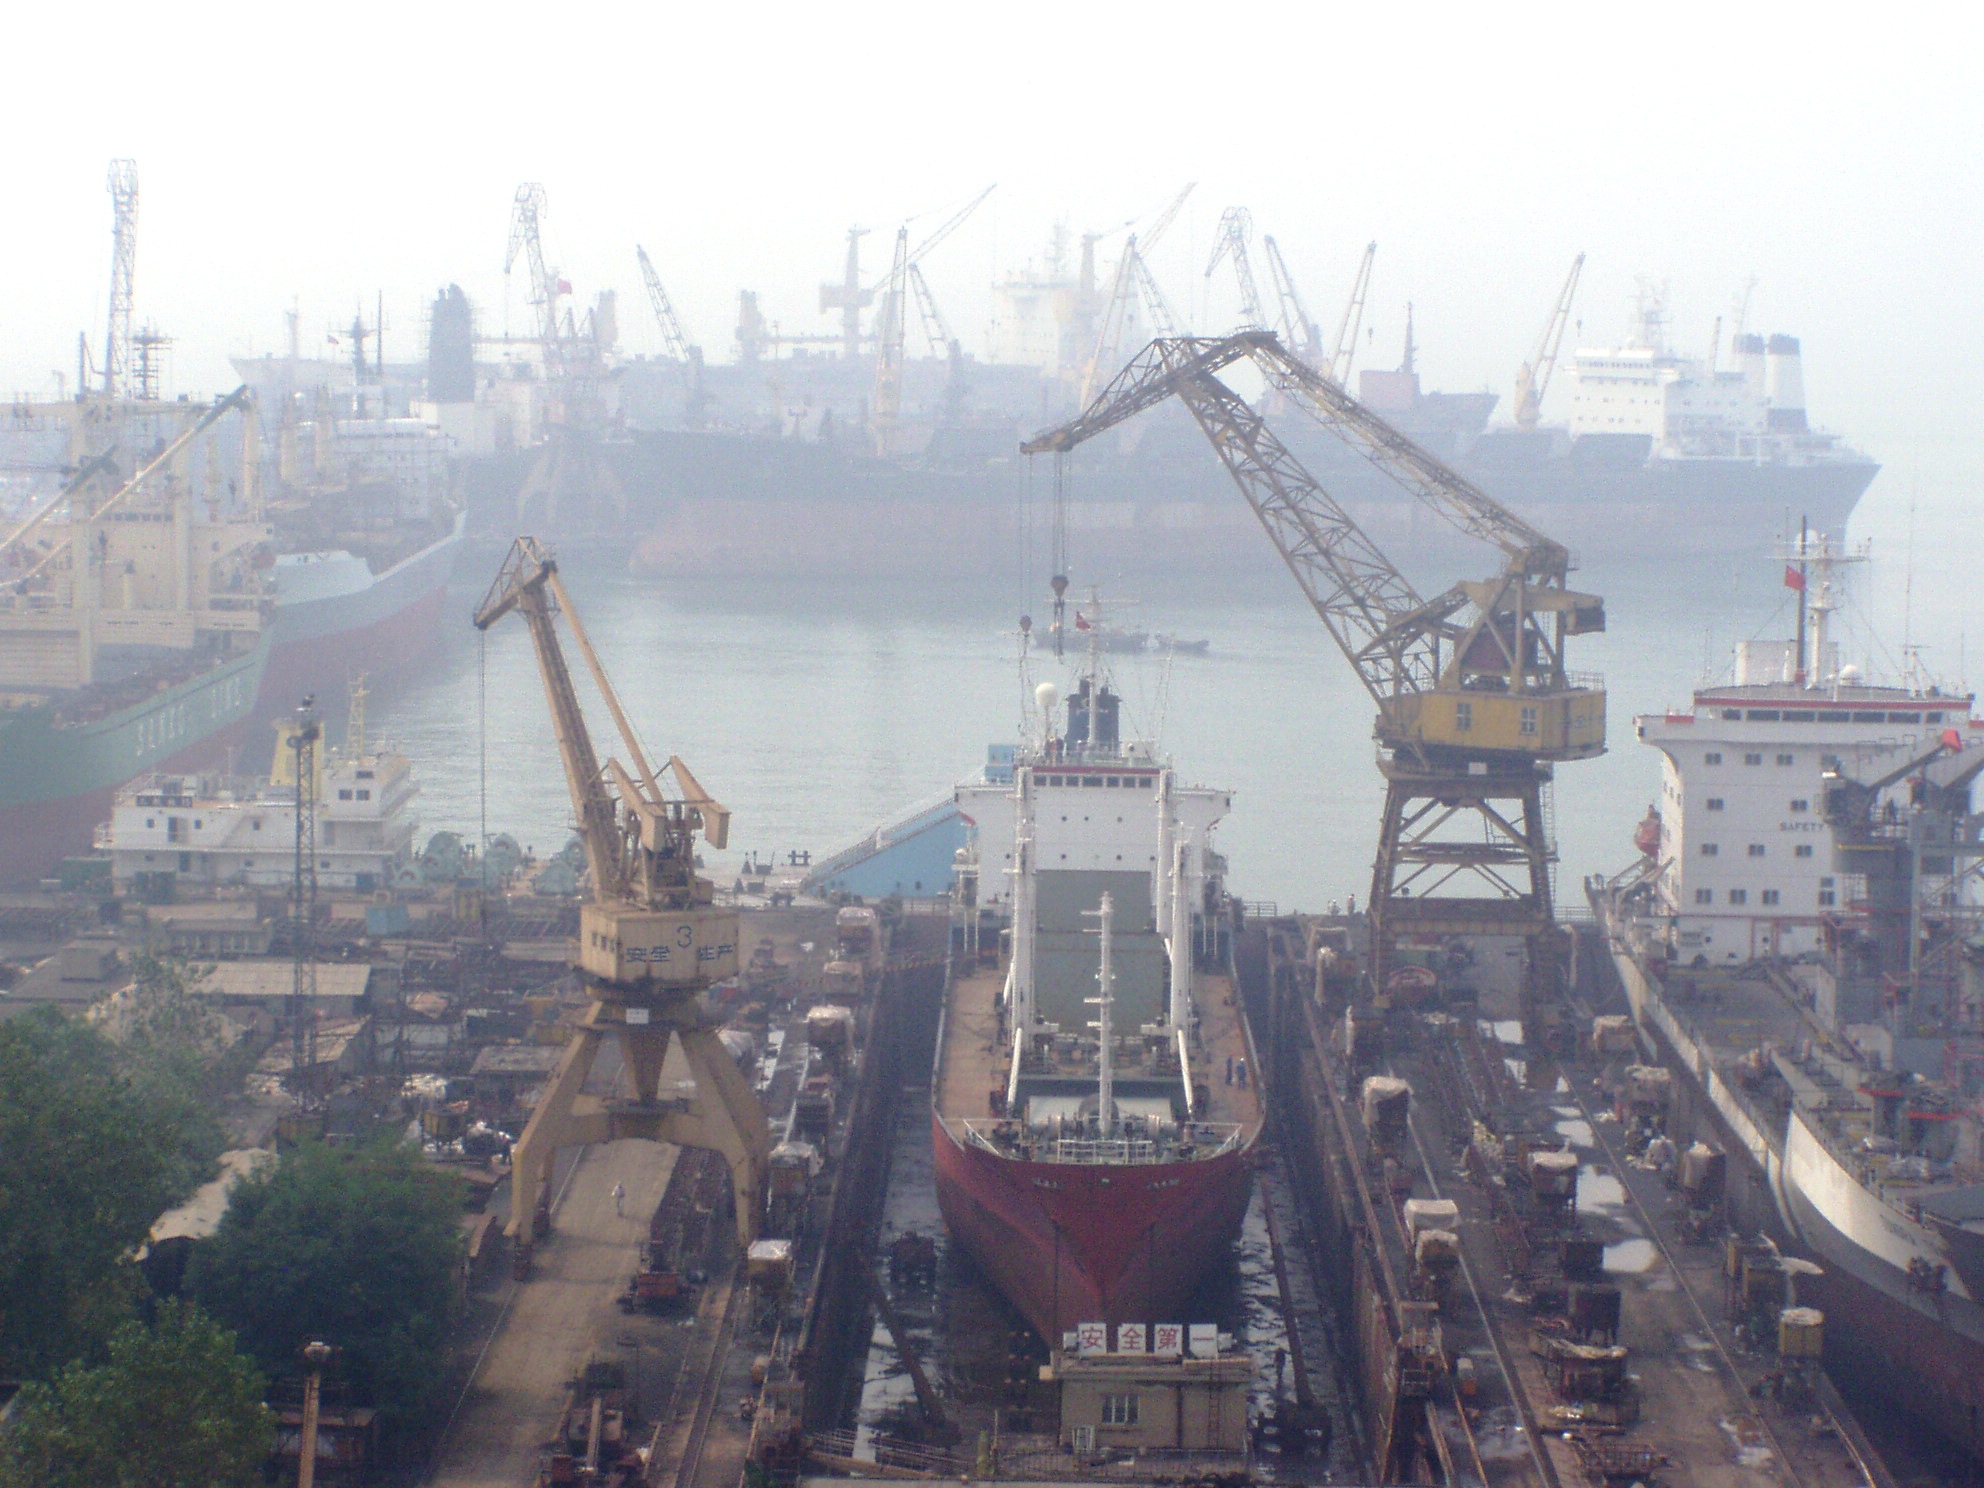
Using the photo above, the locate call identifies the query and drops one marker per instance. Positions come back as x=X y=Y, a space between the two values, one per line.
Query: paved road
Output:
x=565 y=1313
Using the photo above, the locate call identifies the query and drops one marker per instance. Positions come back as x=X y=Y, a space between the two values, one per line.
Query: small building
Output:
x=210 y=927
x=1152 y=1387
x=257 y=991
x=503 y=1072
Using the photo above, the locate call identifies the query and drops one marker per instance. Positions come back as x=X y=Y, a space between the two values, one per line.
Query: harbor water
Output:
x=817 y=712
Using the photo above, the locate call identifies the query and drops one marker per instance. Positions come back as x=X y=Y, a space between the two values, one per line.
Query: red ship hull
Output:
x=1070 y=1243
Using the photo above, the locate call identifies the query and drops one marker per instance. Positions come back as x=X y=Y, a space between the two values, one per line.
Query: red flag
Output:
x=1794 y=578
x=564 y=286
x=1080 y=623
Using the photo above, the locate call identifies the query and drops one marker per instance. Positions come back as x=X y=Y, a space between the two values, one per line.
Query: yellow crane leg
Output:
x=723 y=1113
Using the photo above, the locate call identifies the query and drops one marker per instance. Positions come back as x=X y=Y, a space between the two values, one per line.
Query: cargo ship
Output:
x=1094 y=1111
x=1797 y=942
x=773 y=472
x=133 y=637
x=373 y=609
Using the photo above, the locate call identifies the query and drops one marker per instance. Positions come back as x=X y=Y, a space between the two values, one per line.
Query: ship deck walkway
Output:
x=975 y=1060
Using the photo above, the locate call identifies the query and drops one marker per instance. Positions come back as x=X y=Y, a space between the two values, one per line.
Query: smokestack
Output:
x=1784 y=381
x=1749 y=351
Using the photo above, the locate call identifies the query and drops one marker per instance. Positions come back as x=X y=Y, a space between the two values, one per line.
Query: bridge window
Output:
x=1756 y=849
x=1712 y=758
x=1802 y=850
x=1739 y=896
x=1710 y=849
x=1463 y=717
x=1787 y=759
x=1704 y=896
x=1770 y=896
x=1715 y=803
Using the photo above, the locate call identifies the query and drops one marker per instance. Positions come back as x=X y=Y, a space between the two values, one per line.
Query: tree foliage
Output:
x=173 y=1406
x=83 y=1174
x=358 y=1247
x=178 y=1055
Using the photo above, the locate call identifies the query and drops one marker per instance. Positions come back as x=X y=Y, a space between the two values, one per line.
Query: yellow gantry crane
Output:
x=650 y=936
x=1475 y=702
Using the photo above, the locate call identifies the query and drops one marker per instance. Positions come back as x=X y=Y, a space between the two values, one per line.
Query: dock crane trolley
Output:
x=650 y=936
x=1475 y=704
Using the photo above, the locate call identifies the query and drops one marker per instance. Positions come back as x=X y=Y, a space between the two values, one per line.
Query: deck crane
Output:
x=650 y=937
x=1353 y=318
x=1533 y=380
x=1297 y=330
x=1133 y=281
x=688 y=358
x=1236 y=230
x=1475 y=701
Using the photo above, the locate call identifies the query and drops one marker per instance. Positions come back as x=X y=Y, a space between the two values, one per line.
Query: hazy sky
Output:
x=325 y=154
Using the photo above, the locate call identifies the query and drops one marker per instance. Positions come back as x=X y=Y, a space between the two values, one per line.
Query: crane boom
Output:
x=672 y=334
x=1297 y=330
x=1353 y=318
x=1533 y=380
x=1169 y=215
x=1236 y=227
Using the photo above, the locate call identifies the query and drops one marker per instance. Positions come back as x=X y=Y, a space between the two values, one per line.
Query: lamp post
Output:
x=317 y=1355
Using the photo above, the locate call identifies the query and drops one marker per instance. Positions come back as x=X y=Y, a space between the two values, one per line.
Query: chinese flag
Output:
x=1793 y=578
x=1080 y=623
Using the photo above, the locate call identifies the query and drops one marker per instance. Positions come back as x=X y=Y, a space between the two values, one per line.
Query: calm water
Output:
x=817 y=714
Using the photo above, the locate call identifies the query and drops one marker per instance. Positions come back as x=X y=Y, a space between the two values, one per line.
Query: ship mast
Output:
x=1104 y=1005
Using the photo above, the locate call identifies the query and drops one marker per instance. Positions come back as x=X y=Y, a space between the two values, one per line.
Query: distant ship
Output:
x=133 y=634
x=1093 y=1110
x=1721 y=460
x=1816 y=825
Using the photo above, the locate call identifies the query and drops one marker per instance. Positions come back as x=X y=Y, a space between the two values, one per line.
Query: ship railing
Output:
x=1593 y=680
x=1200 y=1140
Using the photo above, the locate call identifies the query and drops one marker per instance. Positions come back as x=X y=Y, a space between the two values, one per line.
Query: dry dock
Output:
x=1526 y=1306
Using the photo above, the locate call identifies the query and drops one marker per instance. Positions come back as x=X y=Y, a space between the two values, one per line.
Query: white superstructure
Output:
x=1745 y=864
x=1685 y=407
x=209 y=831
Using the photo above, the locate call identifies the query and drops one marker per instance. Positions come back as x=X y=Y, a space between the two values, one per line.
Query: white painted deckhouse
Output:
x=1745 y=864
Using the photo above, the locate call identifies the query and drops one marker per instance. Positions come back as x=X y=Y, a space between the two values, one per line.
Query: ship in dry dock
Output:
x=1094 y=1110
x=1798 y=938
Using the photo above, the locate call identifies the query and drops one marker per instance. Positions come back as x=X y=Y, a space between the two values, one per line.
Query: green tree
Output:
x=359 y=1247
x=179 y=1058
x=173 y=1406
x=84 y=1171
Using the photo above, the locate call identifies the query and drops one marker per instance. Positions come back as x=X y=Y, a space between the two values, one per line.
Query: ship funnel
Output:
x=1749 y=352
x=1784 y=382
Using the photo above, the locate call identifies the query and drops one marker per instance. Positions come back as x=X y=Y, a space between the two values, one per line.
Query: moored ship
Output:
x=132 y=638
x=1093 y=1107
x=1795 y=940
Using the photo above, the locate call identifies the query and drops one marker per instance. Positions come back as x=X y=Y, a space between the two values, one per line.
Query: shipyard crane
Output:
x=1297 y=330
x=123 y=185
x=1533 y=380
x=1133 y=281
x=1236 y=230
x=1353 y=318
x=526 y=239
x=650 y=936
x=892 y=328
x=688 y=358
x=1475 y=701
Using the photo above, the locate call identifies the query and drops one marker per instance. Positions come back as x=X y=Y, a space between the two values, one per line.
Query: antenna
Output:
x=123 y=186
